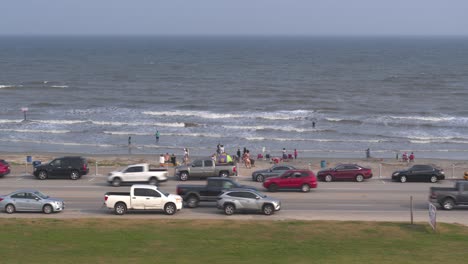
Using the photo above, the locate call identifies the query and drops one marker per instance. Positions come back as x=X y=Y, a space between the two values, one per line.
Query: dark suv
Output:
x=64 y=167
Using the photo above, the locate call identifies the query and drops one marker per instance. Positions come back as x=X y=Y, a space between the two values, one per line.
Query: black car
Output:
x=64 y=167
x=275 y=171
x=419 y=173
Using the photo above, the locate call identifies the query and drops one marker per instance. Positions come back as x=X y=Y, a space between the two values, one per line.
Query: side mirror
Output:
x=37 y=199
x=257 y=197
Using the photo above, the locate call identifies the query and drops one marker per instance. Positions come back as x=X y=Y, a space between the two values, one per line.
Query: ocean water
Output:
x=87 y=95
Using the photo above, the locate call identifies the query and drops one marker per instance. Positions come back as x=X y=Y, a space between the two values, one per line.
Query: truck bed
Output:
x=118 y=193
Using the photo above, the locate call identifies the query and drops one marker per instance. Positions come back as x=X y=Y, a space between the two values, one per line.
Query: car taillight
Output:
x=105 y=197
x=84 y=166
x=178 y=190
x=433 y=195
x=234 y=169
x=1 y=199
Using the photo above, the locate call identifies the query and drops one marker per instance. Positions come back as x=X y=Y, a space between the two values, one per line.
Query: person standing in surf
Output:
x=157 y=136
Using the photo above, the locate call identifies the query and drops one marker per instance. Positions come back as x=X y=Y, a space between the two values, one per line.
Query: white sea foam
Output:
x=280 y=128
x=278 y=115
x=424 y=118
x=202 y=114
x=10 y=121
x=211 y=135
x=58 y=122
x=159 y=124
x=59 y=86
x=36 y=131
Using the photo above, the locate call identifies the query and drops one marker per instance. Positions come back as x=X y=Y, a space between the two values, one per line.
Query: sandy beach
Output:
x=383 y=168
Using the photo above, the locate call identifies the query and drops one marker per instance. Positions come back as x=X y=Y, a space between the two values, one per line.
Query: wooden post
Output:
x=411 y=206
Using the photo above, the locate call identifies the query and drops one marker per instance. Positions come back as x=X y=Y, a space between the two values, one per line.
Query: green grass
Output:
x=210 y=241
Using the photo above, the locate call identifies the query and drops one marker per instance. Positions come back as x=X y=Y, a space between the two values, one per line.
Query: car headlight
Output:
x=442 y=172
x=396 y=173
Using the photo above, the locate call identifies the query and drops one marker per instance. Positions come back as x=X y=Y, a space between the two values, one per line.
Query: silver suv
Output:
x=247 y=200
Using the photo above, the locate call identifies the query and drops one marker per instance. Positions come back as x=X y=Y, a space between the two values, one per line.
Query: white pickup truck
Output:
x=138 y=173
x=142 y=197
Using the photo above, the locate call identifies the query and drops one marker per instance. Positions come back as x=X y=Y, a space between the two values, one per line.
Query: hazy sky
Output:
x=234 y=17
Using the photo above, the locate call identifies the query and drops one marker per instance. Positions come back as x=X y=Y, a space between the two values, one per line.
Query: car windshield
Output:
x=41 y=195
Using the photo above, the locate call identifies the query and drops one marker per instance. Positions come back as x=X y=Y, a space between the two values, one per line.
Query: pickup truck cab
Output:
x=142 y=197
x=204 y=169
x=449 y=197
x=138 y=173
x=193 y=194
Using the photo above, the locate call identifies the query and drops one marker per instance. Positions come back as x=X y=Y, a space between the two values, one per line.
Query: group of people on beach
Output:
x=406 y=158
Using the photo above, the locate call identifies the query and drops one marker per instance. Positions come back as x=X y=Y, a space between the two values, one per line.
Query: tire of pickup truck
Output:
x=223 y=174
x=120 y=209
x=170 y=208
x=433 y=179
x=184 y=176
x=116 y=182
x=448 y=204
x=192 y=201
x=153 y=181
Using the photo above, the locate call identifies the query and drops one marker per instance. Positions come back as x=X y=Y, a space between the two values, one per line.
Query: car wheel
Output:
x=403 y=179
x=183 y=176
x=229 y=209
x=268 y=209
x=305 y=188
x=192 y=201
x=116 y=182
x=359 y=178
x=328 y=178
x=433 y=179
x=9 y=209
x=47 y=209
x=448 y=204
x=223 y=174
x=42 y=175
x=170 y=208
x=120 y=209
x=273 y=188
x=153 y=181
x=74 y=175
x=260 y=178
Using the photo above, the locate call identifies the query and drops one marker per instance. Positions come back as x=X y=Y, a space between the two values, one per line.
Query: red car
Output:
x=345 y=172
x=292 y=179
x=4 y=168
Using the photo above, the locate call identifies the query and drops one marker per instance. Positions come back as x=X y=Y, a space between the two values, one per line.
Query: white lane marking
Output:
x=91 y=179
x=383 y=182
x=351 y=205
x=19 y=179
x=342 y=189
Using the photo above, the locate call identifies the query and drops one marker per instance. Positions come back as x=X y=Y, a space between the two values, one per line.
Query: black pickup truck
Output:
x=449 y=197
x=193 y=194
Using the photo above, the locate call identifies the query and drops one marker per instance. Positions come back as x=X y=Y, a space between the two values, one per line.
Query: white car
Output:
x=138 y=173
x=143 y=197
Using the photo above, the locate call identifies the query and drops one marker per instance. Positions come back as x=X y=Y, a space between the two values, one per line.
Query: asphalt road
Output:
x=372 y=200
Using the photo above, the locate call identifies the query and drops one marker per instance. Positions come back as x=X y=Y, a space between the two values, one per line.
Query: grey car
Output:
x=247 y=200
x=31 y=201
x=275 y=171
